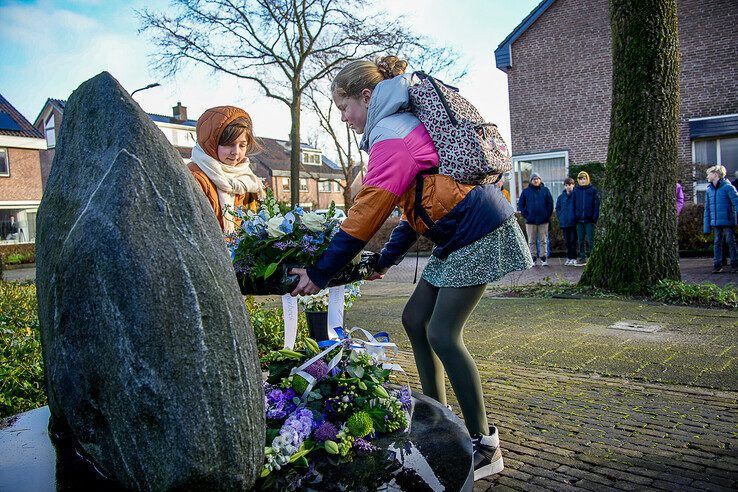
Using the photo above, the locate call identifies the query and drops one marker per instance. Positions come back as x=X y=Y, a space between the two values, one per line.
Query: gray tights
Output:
x=434 y=321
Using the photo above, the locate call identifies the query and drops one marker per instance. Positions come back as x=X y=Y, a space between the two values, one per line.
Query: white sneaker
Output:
x=544 y=262
x=487 y=454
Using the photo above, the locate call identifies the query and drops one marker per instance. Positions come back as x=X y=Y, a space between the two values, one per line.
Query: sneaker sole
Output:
x=491 y=469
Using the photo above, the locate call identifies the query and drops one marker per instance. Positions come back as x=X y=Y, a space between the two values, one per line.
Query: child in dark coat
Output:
x=586 y=214
x=567 y=223
x=721 y=204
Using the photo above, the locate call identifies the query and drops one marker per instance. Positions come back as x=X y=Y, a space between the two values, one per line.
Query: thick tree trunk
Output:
x=296 y=153
x=637 y=241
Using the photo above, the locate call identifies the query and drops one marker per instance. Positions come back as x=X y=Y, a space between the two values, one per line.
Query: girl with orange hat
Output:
x=220 y=162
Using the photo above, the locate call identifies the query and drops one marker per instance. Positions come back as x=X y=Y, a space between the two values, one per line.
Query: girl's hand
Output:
x=305 y=286
x=375 y=276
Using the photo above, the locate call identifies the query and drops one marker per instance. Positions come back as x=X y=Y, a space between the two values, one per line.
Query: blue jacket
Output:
x=586 y=204
x=565 y=209
x=536 y=204
x=721 y=204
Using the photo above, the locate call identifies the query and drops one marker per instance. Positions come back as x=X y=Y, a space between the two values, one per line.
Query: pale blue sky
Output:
x=49 y=47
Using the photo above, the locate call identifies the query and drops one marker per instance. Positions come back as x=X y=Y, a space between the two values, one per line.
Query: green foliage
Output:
x=707 y=294
x=359 y=424
x=21 y=366
x=21 y=253
x=268 y=326
x=690 y=229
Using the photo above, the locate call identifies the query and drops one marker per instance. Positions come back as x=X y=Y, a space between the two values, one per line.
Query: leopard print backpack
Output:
x=470 y=150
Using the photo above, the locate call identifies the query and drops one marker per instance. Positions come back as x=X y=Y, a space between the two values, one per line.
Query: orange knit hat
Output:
x=211 y=124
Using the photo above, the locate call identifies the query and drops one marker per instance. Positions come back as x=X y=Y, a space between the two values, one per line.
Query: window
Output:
x=303 y=184
x=4 y=166
x=312 y=159
x=285 y=184
x=705 y=153
x=552 y=167
x=50 y=132
x=325 y=186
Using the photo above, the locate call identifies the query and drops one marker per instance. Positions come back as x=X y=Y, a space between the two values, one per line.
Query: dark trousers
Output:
x=570 y=238
x=724 y=234
x=585 y=233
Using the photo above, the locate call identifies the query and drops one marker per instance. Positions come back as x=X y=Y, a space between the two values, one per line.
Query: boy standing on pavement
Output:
x=586 y=214
x=565 y=213
x=721 y=204
x=536 y=205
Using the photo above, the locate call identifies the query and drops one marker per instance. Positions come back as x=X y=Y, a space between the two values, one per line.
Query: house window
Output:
x=312 y=159
x=4 y=166
x=706 y=153
x=285 y=184
x=325 y=186
x=303 y=184
x=50 y=132
x=551 y=166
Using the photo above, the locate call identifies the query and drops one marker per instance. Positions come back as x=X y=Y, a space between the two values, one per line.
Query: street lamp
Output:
x=155 y=84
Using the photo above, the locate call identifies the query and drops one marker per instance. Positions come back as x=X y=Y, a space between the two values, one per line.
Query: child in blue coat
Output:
x=536 y=206
x=721 y=204
x=586 y=214
x=567 y=223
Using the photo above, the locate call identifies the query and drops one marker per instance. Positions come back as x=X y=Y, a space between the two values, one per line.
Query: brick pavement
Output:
x=566 y=431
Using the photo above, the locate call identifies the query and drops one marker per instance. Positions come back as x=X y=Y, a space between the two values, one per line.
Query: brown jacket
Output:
x=247 y=200
x=210 y=127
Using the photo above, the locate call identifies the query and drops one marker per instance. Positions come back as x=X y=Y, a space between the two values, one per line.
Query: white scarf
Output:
x=229 y=181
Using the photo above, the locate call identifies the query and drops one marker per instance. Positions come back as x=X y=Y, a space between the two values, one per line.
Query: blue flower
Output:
x=298 y=211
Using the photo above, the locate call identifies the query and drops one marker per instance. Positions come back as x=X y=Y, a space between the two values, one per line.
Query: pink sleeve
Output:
x=391 y=167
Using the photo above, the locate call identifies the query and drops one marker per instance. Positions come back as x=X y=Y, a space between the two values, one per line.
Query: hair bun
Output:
x=391 y=66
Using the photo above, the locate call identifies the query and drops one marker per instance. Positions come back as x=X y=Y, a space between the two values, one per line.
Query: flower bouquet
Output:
x=329 y=410
x=271 y=241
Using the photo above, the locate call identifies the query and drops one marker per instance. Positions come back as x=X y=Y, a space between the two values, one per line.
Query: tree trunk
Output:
x=348 y=197
x=296 y=153
x=637 y=241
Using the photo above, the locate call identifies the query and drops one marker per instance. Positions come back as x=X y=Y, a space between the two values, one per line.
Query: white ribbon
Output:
x=335 y=310
x=289 y=311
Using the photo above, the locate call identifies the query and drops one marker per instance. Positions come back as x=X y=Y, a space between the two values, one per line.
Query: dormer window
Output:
x=50 y=131
x=311 y=158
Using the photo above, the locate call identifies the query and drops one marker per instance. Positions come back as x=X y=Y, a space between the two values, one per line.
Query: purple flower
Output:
x=325 y=432
x=299 y=424
x=405 y=397
x=317 y=369
x=364 y=446
x=279 y=403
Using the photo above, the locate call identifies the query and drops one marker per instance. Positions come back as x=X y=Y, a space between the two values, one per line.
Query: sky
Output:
x=48 y=48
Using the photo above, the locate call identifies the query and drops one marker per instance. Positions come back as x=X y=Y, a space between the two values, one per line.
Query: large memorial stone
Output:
x=150 y=361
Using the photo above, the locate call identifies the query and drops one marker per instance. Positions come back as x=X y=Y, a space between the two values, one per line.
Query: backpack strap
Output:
x=434 y=83
x=418 y=206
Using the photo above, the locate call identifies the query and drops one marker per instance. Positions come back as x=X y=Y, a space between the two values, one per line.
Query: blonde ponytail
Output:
x=364 y=74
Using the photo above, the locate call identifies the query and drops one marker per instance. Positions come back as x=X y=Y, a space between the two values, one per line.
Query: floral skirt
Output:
x=486 y=260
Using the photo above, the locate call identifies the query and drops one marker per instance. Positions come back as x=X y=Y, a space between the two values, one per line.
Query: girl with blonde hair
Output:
x=473 y=226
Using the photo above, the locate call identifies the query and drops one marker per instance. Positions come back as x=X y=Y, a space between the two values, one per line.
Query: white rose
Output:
x=273 y=226
x=313 y=221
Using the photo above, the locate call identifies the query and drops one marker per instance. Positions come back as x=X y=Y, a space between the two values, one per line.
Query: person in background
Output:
x=721 y=204
x=565 y=213
x=586 y=214
x=536 y=205
x=225 y=137
x=735 y=181
x=500 y=185
x=679 y=197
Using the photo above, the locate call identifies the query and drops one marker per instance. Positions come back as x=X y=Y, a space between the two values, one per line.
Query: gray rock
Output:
x=150 y=360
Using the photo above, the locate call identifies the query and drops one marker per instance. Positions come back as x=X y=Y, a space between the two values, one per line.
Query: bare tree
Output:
x=283 y=46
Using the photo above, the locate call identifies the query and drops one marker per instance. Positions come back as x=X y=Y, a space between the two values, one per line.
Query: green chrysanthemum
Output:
x=359 y=424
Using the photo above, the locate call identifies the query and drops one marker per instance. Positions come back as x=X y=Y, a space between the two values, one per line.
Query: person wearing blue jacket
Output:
x=586 y=214
x=567 y=223
x=721 y=205
x=536 y=205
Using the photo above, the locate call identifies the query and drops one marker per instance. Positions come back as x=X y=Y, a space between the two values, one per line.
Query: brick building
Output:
x=318 y=187
x=20 y=175
x=559 y=67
